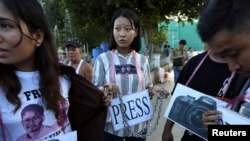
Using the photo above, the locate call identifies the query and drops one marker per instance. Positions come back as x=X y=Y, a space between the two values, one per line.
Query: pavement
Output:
x=177 y=130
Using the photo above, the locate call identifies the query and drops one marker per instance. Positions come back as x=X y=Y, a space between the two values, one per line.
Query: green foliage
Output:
x=90 y=19
x=158 y=37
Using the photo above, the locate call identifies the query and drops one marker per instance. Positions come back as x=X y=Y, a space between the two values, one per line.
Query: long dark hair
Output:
x=134 y=20
x=46 y=61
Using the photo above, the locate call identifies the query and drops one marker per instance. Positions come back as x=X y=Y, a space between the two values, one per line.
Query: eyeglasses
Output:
x=33 y=119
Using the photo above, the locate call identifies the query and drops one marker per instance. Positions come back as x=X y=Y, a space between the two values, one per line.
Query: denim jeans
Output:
x=177 y=71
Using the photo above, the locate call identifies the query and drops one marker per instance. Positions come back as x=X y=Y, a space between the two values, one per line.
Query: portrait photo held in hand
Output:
x=192 y=104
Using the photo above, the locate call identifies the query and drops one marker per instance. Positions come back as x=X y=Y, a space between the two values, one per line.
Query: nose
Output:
x=233 y=65
x=122 y=32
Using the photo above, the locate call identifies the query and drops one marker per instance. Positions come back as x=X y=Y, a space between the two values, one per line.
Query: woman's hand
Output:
x=109 y=91
x=113 y=88
x=212 y=117
x=161 y=91
x=150 y=91
x=107 y=97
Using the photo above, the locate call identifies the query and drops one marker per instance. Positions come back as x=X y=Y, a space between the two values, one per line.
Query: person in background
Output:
x=179 y=56
x=166 y=49
x=125 y=43
x=190 y=52
x=209 y=74
x=32 y=74
x=228 y=39
x=74 y=53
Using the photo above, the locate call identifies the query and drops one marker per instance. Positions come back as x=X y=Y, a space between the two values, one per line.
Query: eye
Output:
x=5 y=26
x=233 y=54
x=117 y=28
x=221 y=56
x=128 y=29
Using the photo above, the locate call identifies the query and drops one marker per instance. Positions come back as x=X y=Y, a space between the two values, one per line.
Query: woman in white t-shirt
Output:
x=36 y=99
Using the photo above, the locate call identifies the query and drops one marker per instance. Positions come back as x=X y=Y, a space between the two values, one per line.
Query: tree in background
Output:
x=91 y=18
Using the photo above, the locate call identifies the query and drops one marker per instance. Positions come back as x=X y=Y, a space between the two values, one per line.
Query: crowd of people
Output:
x=42 y=98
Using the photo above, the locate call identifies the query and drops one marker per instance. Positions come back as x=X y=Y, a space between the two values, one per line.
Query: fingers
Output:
x=109 y=90
x=107 y=100
x=161 y=92
x=212 y=117
x=113 y=88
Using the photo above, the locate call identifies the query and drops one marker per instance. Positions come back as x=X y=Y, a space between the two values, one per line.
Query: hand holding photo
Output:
x=187 y=106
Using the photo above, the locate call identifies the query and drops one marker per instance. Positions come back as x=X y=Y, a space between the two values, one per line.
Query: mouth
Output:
x=3 y=53
x=122 y=41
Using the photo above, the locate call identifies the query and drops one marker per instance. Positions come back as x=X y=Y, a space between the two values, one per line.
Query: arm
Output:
x=175 y=57
x=185 y=56
x=167 y=134
x=87 y=71
x=98 y=73
x=99 y=80
x=174 y=54
x=148 y=80
x=147 y=74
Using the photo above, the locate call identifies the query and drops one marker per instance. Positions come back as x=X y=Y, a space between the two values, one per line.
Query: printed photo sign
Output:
x=230 y=117
x=138 y=109
x=71 y=136
x=187 y=106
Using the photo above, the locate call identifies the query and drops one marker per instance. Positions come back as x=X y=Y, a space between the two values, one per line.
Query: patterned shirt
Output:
x=128 y=83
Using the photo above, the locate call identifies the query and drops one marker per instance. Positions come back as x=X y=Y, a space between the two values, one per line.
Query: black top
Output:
x=87 y=114
x=209 y=80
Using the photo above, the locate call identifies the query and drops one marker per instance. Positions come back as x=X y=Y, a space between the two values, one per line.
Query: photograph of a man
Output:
x=32 y=121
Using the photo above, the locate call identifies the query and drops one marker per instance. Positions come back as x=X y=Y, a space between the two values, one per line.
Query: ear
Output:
x=38 y=36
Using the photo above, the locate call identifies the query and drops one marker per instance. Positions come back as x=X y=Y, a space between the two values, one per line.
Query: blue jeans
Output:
x=177 y=72
x=111 y=137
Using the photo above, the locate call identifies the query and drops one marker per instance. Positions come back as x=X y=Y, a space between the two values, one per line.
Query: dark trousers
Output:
x=188 y=137
x=111 y=137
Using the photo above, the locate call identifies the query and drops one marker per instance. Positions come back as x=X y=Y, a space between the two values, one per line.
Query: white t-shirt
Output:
x=32 y=116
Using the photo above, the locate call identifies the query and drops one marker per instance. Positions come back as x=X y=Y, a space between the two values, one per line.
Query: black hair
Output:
x=46 y=60
x=218 y=15
x=182 y=42
x=134 y=20
x=33 y=107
